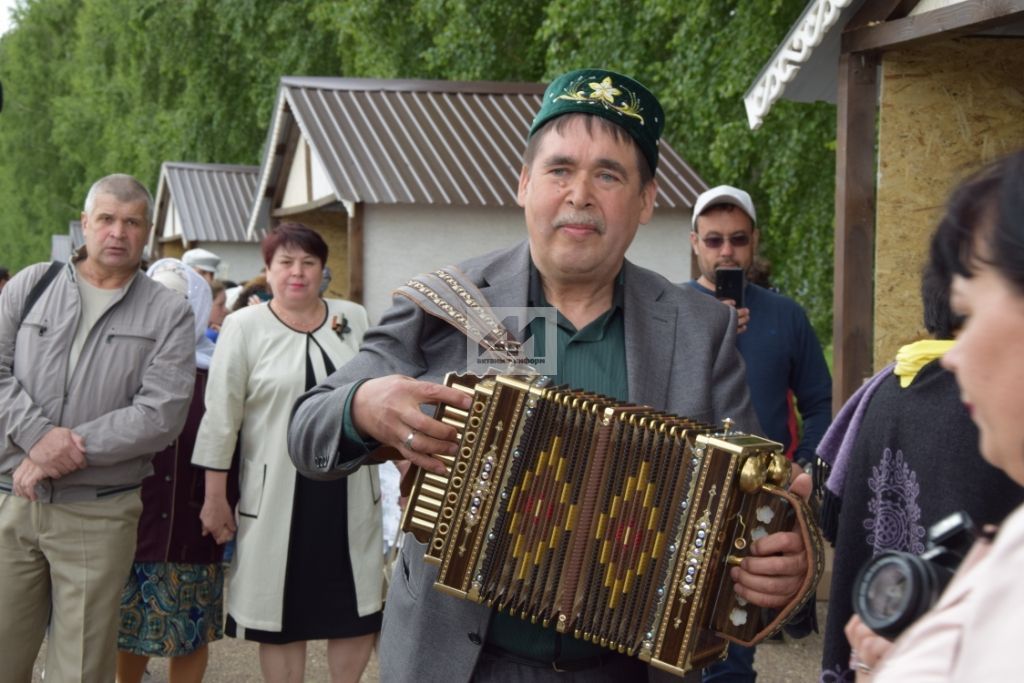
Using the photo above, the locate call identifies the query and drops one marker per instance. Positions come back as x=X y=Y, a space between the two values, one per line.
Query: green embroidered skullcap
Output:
x=613 y=96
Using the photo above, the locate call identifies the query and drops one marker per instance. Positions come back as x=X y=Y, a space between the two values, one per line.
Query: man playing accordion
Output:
x=586 y=185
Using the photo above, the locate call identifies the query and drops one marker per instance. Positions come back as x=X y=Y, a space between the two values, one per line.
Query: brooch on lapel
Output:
x=340 y=326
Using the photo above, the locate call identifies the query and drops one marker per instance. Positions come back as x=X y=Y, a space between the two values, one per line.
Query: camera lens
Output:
x=894 y=589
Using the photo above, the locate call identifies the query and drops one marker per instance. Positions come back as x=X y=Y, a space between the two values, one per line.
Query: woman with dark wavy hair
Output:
x=973 y=631
x=896 y=457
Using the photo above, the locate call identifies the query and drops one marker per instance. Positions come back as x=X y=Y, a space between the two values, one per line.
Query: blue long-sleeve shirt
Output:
x=783 y=354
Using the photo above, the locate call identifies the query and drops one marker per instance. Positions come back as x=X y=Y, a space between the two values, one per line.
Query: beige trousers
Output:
x=64 y=563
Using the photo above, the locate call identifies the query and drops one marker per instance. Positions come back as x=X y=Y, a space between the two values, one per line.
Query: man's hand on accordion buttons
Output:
x=387 y=409
x=777 y=564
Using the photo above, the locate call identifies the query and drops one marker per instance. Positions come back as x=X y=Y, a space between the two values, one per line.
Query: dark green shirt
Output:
x=593 y=359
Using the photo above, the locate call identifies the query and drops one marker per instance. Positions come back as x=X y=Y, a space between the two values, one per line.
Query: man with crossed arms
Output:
x=93 y=380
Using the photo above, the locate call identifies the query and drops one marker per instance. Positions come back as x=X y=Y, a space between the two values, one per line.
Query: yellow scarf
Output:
x=912 y=357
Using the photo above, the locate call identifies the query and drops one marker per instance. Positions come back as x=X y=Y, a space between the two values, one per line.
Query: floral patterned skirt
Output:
x=169 y=609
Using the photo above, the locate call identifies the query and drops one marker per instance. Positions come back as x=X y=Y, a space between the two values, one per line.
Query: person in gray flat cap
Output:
x=586 y=186
x=203 y=262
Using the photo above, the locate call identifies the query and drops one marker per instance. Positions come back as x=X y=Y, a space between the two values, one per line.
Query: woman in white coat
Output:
x=307 y=565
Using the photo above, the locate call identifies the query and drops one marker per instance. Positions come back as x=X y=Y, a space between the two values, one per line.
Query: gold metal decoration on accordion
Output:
x=615 y=523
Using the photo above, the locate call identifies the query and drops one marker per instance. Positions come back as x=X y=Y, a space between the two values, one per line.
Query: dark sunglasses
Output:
x=740 y=239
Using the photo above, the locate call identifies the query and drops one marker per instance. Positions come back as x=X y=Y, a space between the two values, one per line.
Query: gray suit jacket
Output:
x=680 y=356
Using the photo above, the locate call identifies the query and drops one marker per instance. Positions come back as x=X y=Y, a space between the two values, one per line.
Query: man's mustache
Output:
x=580 y=219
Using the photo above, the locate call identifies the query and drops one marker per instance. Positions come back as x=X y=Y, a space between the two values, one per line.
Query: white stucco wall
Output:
x=239 y=261
x=663 y=245
x=172 y=222
x=402 y=241
x=300 y=183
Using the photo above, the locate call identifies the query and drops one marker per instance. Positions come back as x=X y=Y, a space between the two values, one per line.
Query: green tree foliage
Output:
x=448 y=39
x=701 y=56
x=35 y=173
x=101 y=86
x=97 y=86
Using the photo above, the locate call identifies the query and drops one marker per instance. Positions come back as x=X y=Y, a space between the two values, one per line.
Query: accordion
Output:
x=615 y=523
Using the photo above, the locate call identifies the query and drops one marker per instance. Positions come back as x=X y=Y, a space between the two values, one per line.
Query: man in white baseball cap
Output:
x=782 y=354
x=203 y=262
x=778 y=344
x=725 y=194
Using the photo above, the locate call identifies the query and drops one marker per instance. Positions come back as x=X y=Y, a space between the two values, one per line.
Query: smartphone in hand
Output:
x=730 y=283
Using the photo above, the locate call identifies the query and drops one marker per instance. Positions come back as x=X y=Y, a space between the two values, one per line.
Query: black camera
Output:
x=895 y=588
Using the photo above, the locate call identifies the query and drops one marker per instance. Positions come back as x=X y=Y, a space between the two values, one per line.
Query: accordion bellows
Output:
x=613 y=522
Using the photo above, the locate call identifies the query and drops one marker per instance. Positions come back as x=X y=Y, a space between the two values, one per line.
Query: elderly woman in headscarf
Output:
x=172 y=605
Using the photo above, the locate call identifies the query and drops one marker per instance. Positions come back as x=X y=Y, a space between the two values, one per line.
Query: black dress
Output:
x=319 y=589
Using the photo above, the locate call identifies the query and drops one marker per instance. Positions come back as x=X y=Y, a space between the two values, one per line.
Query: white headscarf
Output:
x=175 y=275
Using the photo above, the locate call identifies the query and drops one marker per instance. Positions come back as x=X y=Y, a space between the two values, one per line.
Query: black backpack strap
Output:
x=39 y=287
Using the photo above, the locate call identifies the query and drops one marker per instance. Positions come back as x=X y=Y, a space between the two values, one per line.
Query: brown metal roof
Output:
x=212 y=200
x=421 y=142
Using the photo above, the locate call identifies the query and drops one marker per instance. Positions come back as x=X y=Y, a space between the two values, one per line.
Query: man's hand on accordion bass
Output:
x=388 y=410
x=777 y=564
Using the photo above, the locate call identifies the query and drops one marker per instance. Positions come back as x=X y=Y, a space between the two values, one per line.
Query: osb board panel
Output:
x=946 y=108
x=171 y=249
x=333 y=227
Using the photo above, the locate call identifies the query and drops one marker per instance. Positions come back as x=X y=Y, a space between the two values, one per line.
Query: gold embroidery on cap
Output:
x=603 y=94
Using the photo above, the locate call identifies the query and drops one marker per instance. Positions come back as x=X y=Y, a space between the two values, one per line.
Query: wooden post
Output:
x=355 y=253
x=857 y=101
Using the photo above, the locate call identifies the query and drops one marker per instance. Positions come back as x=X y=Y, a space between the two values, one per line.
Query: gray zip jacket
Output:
x=127 y=397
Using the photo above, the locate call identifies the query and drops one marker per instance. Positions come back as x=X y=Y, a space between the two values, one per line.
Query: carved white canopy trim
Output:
x=819 y=16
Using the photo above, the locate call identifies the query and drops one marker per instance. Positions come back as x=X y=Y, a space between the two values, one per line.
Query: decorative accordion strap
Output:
x=449 y=295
